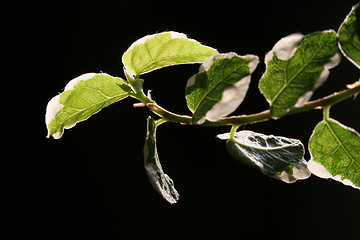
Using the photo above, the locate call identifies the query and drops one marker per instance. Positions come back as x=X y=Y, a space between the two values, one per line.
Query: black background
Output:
x=91 y=184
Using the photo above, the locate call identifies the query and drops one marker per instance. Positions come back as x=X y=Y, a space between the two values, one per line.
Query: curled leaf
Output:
x=277 y=157
x=160 y=181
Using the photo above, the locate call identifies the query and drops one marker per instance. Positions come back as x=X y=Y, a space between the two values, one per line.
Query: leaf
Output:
x=220 y=86
x=160 y=181
x=295 y=67
x=277 y=157
x=163 y=49
x=335 y=152
x=83 y=97
x=349 y=36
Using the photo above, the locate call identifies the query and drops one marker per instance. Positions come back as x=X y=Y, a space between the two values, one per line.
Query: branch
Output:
x=330 y=100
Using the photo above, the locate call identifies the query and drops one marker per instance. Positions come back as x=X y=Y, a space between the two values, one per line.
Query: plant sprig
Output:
x=295 y=67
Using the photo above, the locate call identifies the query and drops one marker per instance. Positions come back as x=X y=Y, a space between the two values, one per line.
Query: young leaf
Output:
x=335 y=152
x=277 y=157
x=160 y=181
x=163 y=49
x=295 y=67
x=83 y=97
x=220 y=86
x=349 y=36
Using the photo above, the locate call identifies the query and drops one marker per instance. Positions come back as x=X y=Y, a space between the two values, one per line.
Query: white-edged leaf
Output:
x=160 y=181
x=220 y=86
x=349 y=36
x=295 y=67
x=335 y=152
x=163 y=49
x=277 y=157
x=83 y=97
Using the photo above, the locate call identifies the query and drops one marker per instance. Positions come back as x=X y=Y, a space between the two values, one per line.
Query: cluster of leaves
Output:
x=295 y=67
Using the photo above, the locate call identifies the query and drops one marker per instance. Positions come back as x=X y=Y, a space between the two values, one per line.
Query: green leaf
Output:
x=83 y=97
x=335 y=152
x=295 y=67
x=349 y=36
x=220 y=86
x=277 y=157
x=160 y=181
x=163 y=49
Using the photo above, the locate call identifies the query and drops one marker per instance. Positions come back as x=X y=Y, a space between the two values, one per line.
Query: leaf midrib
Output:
x=152 y=61
x=341 y=145
x=287 y=83
x=140 y=71
x=266 y=149
x=223 y=80
x=86 y=108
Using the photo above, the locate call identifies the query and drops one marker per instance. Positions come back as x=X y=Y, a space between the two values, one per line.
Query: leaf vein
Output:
x=88 y=107
x=287 y=82
x=342 y=145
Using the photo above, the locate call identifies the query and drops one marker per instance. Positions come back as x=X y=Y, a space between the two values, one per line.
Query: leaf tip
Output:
x=285 y=48
x=300 y=172
x=53 y=107
x=320 y=171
